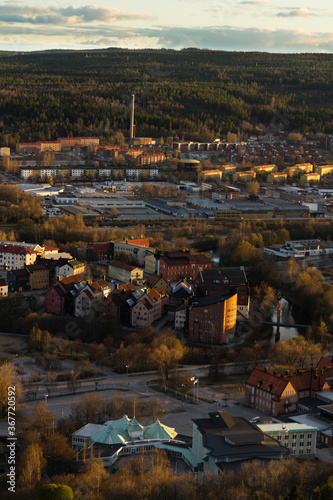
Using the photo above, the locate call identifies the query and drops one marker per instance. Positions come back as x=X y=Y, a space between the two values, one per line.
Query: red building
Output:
x=173 y=266
x=58 y=299
x=278 y=394
x=212 y=318
x=100 y=251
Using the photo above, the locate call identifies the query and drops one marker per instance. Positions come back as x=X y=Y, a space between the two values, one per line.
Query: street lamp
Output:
x=45 y=398
x=195 y=382
x=127 y=367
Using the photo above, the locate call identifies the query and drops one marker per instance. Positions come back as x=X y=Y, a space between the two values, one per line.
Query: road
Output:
x=178 y=412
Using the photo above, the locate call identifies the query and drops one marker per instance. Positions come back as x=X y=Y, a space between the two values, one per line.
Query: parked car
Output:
x=254 y=420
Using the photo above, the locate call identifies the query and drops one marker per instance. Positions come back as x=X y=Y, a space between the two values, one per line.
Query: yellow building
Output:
x=246 y=176
x=4 y=151
x=312 y=177
x=277 y=177
x=324 y=169
x=49 y=146
x=204 y=174
x=228 y=169
x=304 y=167
x=265 y=169
x=38 y=276
x=291 y=171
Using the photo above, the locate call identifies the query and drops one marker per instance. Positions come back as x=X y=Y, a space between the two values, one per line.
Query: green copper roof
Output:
x=111 y=436
x=159 y=431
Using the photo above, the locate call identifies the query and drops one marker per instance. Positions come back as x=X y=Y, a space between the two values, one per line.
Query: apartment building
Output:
x=245 y=176
x=71 y=142
x=173 y=266
x=300 y=439
x=123 y=272
x=212 y=318
x=16 y=257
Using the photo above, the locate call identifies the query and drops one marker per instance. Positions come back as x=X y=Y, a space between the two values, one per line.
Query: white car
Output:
x=254 y=420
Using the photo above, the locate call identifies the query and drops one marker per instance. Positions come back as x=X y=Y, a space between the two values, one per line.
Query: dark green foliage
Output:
x=54 y=492
x=198 y=93
x=295 y=494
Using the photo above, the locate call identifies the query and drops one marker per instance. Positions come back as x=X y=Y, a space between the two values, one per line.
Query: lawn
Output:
x=10 y=345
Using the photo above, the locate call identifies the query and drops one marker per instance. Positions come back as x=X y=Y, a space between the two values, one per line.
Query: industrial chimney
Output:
x=132 y=126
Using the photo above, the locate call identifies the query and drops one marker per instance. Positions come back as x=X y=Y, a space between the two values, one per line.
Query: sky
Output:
x=244 y=25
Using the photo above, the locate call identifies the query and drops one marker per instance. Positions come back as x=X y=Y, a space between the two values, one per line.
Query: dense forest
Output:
x=198 y=94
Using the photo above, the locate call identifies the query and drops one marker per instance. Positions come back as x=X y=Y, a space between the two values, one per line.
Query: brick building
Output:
x=173 y=266
x=222 y=278
x=212 y=318
x=279 y=394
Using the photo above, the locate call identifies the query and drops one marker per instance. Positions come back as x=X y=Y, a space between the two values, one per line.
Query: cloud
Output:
x=225 y=37
x=25 y=14
x=301 y=12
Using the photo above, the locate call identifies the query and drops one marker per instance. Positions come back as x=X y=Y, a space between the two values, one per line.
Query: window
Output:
x=301 y=436
x=294 y=436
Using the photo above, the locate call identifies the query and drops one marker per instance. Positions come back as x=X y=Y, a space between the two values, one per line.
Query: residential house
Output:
x=89 y=300
x=180 y=317
x=18 y=280
x=221 y=442
x=39 y=276
x=69 y=267
x=149 y=308
x=3 y=288
x=60 y=298
x=155 y=281
x=123 y=272
x=212 y=318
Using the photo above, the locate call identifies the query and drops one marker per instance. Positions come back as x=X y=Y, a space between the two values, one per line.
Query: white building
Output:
x=16 y=257
x=300 y=439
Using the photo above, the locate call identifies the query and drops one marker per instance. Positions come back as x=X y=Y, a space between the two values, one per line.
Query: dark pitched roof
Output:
x=18 y=272
x=172 y=258
x=233 y=275
x=152 y=279
x=122 y=265
x=36 y=267
x=213 y=298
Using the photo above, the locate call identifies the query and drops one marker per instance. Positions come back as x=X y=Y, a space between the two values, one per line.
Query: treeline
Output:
x=197 y=93
x=16 y=205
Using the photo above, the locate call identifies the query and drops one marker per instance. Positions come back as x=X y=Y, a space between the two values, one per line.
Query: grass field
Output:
x=10 y=345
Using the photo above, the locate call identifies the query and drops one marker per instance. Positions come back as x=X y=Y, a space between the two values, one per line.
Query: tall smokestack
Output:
x=132 y=117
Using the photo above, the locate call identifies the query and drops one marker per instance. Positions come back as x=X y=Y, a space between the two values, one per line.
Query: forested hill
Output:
x=196 y=93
